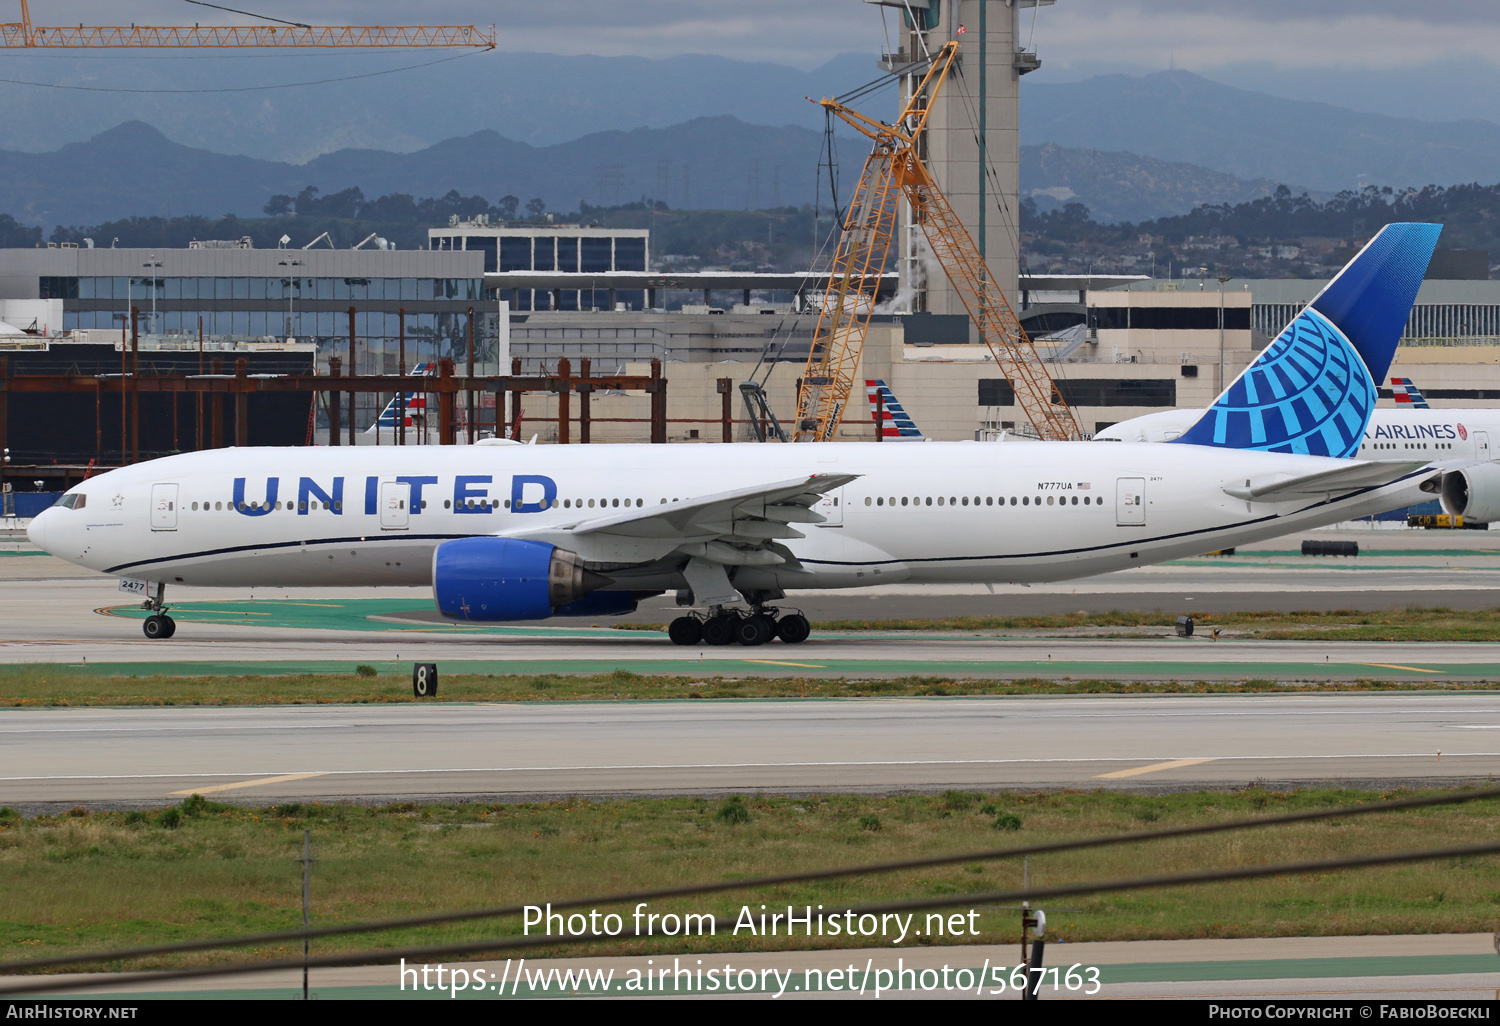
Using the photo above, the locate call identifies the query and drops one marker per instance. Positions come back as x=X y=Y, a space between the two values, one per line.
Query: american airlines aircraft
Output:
x=1410 y=431
x=503 y=531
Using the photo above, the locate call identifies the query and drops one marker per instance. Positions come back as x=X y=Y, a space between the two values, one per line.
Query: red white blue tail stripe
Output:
x=1404 y=392
x=894 y=422
x=416 y=404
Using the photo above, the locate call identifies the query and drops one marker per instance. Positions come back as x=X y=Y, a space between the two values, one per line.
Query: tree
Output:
x=507 y=207
x=535 y=207
x=278 y=205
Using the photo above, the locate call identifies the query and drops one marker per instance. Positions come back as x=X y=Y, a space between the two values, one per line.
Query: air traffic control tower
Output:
x=972 y=143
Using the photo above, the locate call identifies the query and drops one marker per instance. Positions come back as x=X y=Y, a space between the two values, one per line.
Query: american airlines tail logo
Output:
x=1405 y=393
x=889 y=415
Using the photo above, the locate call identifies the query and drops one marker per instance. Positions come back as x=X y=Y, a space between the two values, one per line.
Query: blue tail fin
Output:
x=1313 y=389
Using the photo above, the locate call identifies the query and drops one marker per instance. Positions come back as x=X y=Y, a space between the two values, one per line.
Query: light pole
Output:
x=289 y=264
x=153 y=263
x=1222 y=279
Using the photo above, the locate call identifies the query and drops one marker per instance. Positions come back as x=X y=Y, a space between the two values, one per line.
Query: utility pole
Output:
x=1222 y=279
x=470 y=389
x=152 y=263
x=290 y=281
x=307 y=860
x=401 y=377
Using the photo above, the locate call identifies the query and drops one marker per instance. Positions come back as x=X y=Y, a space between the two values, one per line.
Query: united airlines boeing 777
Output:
x=503 y=531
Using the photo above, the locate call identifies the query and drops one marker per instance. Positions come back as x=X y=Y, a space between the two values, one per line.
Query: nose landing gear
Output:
x=158 y=626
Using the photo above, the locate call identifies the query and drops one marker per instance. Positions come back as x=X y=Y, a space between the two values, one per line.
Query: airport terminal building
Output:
x=1118 y=347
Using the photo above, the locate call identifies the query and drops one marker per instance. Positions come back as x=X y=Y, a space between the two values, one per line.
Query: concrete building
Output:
x=576 y=252
x=255 y=294
x=973 y=132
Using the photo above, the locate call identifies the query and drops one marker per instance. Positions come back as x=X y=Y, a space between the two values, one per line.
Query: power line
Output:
x=247 y=14
x=1054 y=847
x=145 y=55
x=242 y=89
x=716 y=922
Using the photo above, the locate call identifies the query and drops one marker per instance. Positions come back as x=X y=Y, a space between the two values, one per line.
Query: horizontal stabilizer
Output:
x=1351 y=477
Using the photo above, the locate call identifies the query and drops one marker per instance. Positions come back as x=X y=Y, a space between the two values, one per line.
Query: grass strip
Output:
x=84 y=880
x=44 y=685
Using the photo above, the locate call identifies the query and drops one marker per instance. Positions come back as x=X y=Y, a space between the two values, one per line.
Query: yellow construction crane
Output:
x=25 y=35
x=894 y=170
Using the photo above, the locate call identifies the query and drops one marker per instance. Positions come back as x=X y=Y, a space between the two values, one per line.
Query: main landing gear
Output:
x=748 y=627
x=158 y=626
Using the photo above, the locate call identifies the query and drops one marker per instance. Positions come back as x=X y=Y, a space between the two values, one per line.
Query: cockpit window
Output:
x=72 y=500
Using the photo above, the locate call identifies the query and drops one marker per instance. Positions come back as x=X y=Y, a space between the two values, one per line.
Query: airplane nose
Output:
x=36 y=531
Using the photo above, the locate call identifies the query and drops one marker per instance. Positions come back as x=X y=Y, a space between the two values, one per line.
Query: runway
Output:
x=507 y=752
x=57 y=614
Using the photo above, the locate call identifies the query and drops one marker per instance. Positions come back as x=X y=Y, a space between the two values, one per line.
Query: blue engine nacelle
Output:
x=490 y=579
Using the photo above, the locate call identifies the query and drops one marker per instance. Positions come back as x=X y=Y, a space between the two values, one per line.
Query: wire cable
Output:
x=715 y=922
x=991 y=855
x=262 y=17
x=145 y=55
x=243 y=89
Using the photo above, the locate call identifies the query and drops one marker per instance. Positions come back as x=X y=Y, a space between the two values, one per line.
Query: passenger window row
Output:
x=338 y=505
x=984 y=500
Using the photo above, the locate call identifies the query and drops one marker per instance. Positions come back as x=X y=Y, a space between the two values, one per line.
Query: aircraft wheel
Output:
x=155 y=626
x=720 y=630
x=754 y=630
x=793 y=628
x=171 y=625
x=685 y=630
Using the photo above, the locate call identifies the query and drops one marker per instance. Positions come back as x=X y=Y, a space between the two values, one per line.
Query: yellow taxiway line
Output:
x=257 y=782
x=1155 y=767
x=778 y=662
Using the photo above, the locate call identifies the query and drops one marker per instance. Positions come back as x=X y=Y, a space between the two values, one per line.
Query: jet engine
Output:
x=1473 y=492
x=492 y=579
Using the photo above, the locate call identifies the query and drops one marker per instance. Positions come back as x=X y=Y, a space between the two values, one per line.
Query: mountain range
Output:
x=253 y=105
x=699 y=132
x=1179 y=116
x=135 y=170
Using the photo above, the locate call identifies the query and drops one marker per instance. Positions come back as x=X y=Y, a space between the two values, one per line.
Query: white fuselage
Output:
x=1390 y=435
x=945 y=511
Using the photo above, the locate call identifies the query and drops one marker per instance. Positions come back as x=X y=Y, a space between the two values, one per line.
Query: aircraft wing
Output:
x=1356 y=475
x=739 y=527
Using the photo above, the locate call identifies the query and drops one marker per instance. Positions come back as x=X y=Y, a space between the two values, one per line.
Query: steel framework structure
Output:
x=25 y=35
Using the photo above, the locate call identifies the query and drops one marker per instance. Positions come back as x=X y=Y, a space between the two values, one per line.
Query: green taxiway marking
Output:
x=814 y=666
x=1325 y=560
x=1288 y=968
x=1319 y=567
x=348 y=615
x=801 y=982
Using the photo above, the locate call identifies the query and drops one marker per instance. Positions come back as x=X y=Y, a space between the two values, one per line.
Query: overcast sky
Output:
x=1198 y=34
x=1426 y=58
